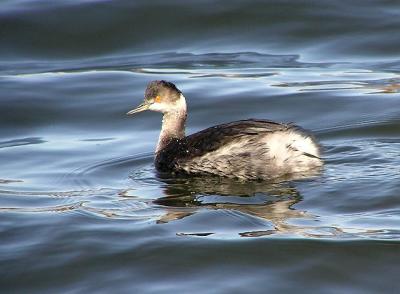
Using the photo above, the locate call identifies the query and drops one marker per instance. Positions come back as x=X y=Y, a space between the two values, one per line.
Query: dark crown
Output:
x=161 y=88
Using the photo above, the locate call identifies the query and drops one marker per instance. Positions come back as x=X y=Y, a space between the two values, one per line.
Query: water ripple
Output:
x=21 y=142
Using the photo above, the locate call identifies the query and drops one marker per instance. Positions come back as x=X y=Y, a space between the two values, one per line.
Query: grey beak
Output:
x=142 y=107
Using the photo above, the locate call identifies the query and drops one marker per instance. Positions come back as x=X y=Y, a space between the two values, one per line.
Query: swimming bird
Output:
x=252 y=149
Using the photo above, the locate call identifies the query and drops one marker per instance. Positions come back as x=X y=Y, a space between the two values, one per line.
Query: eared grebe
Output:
x=246 y=149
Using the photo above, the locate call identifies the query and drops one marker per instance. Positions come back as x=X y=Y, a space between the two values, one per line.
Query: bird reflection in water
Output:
x=272 y=202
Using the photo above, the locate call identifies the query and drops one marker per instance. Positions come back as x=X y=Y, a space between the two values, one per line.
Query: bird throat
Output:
x=173 y=128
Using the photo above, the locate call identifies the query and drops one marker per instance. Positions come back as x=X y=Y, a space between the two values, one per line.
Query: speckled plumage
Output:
x=239 y=149
x=246 y=149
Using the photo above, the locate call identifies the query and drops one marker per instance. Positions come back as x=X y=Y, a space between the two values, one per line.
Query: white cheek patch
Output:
x=157 y=106
x=163 y=107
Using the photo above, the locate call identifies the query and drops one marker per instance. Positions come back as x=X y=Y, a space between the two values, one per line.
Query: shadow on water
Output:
x=271 y=202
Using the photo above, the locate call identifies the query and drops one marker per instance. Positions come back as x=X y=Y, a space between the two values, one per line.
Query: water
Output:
x=81 y=207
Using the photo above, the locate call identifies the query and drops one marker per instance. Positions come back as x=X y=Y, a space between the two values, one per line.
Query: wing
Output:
x=215 y=137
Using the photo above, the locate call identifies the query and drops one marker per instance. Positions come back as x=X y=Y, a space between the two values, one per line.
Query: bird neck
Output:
x=173 y=127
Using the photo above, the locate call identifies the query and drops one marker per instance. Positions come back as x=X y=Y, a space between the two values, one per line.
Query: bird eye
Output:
x=157 y=99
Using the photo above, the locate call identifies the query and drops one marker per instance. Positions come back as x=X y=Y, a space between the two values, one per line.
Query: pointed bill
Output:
x=140 y=108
